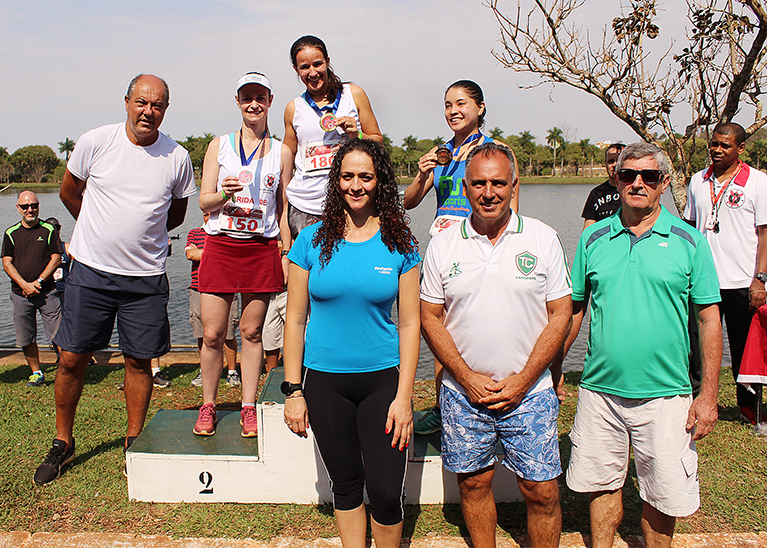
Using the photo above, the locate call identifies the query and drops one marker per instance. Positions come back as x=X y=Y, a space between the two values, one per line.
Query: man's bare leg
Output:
x=138 y=392
x=606 y=514
x=230 y=352
x=544 y=516
x=272 y=359
x=32 y=354
x=478 y=506
x=68 y=388
x=657 y=527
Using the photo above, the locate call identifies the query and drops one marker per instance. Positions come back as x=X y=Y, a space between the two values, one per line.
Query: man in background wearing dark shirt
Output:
x=31 y=253
x=604 y=199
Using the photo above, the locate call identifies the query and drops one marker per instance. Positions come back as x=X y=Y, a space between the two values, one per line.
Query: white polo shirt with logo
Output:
x=744 y=207
x=495 y=295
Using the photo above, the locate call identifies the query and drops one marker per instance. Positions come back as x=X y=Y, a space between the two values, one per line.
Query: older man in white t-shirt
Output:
x=127 y=185
x=501 y=283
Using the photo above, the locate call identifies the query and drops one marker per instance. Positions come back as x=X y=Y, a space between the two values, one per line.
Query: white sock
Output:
x=248 y=404
x=155 y=370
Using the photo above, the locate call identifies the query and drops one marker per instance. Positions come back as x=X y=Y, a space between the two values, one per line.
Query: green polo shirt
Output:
x=640 y=289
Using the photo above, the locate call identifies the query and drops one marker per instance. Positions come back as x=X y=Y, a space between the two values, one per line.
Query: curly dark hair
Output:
x=387 y=203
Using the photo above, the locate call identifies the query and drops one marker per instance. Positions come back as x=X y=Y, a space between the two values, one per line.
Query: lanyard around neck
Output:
x=332 y=108
x=470 y=139
x=246 y=160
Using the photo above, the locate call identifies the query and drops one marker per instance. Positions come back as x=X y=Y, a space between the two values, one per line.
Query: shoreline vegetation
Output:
x=91 y=495
x=544 y=180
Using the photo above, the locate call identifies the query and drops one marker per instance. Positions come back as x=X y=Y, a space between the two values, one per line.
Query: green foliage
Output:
x=34 y=161
x=196 y=147
x=66 y=147
x=757 y=152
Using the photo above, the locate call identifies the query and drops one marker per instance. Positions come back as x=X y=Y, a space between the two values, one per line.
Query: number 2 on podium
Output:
x=206 y=478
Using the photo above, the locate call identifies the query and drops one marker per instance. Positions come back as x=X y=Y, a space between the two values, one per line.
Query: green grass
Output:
x=91 y=495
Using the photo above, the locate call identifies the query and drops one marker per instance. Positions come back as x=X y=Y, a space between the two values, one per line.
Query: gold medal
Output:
x=444 y=156
x=328 y=122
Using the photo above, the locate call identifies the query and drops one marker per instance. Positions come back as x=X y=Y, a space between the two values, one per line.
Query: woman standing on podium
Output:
x=242 y=178
x=357 y=385
x=317 y=122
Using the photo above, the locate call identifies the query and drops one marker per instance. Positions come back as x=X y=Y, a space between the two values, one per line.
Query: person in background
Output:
x=357 y=386
x=243 y=176
x=443 y=168
x=119 y=267
x=31 y=254
x=195 y=243
x=727 y=202
x=317 y=122
x=604 y=199
x=274 y=325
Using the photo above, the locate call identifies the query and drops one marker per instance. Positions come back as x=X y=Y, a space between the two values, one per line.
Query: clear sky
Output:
x=66 y=65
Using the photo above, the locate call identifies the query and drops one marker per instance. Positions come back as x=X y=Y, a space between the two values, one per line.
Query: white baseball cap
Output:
x=253 y=78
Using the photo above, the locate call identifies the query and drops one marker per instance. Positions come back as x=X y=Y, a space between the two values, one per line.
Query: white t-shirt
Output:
x=128 y=190
x=743 y=208
x=316 y=149
x=495 y=295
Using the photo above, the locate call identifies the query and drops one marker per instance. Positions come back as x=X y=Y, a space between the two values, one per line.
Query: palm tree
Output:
x=527 y=142
x=438 y=141
x=496 y=133
x=66 y=146
x=554 y=139
x=410 y=144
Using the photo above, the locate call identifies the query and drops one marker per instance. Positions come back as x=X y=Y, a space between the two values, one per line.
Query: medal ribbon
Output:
x=470 y=139
x=332 y=108
x=246 y=160
x=715 y=203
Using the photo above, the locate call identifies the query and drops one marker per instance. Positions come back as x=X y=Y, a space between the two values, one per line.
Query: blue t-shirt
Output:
x=448 y=183
x=350 y=329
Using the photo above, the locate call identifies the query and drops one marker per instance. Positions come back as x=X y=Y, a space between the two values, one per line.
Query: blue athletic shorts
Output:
x=93 y=301
x=528 y=434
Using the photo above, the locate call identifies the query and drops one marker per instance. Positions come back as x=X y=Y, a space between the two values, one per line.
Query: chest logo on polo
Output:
x=269 y=181
x=735 y=198
x=455 y=270
x=526 y=262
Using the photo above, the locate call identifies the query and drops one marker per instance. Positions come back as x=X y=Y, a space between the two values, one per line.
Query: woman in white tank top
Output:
x=243 y=177
x=317 y=122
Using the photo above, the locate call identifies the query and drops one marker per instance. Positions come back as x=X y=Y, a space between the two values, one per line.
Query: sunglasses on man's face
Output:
x=649 y=176
x=27 y=206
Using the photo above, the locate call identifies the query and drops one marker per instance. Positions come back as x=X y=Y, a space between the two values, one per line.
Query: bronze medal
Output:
x=444 y=155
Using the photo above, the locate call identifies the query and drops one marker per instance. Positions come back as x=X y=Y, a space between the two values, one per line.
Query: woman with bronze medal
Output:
x=242 y=179
x=443 y=168
x=317 y=123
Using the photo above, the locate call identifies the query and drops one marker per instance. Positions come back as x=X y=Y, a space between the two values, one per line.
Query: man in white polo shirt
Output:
x=127 y=184
x=727 y=202
x=500 y=282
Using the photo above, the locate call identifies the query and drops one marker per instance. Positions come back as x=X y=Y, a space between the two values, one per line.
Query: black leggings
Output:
x=347 y=412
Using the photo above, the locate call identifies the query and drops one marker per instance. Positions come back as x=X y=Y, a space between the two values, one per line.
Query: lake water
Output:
x=559 y=206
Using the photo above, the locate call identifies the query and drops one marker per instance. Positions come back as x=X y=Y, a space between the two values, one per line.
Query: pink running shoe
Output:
x=206 y=421
x=249 y=422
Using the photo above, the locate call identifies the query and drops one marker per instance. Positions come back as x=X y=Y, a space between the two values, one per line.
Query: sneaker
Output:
x=36 y=379
x=58 y=456
x=128 y=442
x=430 y=422
x=249 y=422
x=206 y=421
x=159 y=382
x=197 y=381
x=748 y=414
x=233 y=378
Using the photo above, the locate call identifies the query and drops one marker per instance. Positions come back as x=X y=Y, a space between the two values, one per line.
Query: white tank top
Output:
x=316 y=149
x=252 y=211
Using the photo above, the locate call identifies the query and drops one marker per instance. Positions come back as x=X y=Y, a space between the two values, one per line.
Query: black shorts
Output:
x=94 y=299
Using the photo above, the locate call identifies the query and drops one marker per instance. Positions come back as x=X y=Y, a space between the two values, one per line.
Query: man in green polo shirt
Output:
x=641 y=267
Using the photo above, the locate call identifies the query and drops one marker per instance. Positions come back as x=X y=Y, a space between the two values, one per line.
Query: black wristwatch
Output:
x=762 y=277
x=287 y=388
